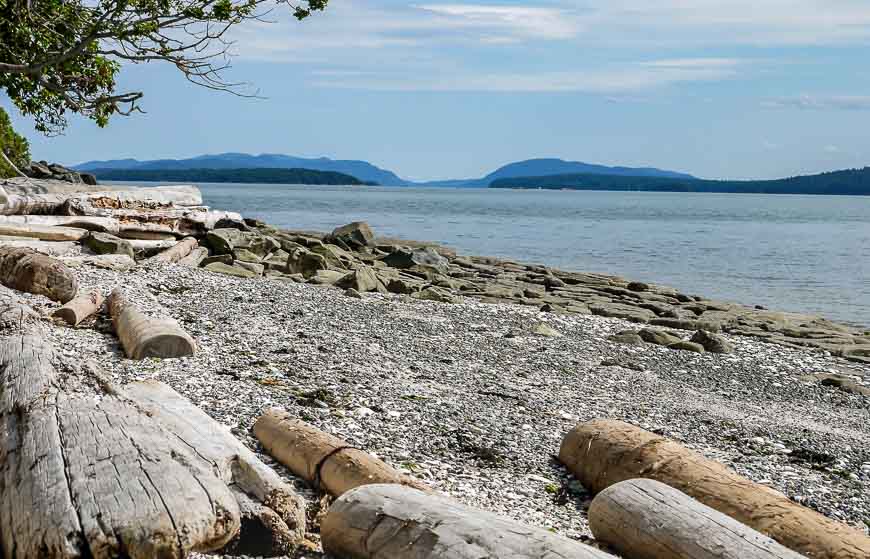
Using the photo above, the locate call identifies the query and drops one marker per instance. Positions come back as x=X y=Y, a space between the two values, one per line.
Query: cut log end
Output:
x=144 y=336
x=26 y=270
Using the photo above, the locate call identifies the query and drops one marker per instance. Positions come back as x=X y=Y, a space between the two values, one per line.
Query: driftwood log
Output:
x=91 y=223
x=80 y=308
x=145 y=248
x=25 y=269
x=90 y=470
x=176 y=252
x=605 y=452
x=646 y=519
x=146 y=336
x=321 y=459
x=19 y=201
x=50 y=248
x=42 y=232
x=396 y=522
x=14 y=312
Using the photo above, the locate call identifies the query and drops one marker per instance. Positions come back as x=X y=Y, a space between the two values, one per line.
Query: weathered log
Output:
x=144 y=336
x=50 y=248
x=181 y=222
x=91 y=223
x=89 y=470
x=396 y=522
x=25 y=269
x=21 y=202
x=43 y=232
x=268 y=505
x=605 y=452
x=322 y=459
x=80 y=308
x=176 y=252
x=646 y=519
x=146 y=235
x=195 y=258
x=14 y=312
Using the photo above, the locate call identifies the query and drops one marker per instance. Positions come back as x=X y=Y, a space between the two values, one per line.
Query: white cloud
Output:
x=523 y=21
x=832 y=149
x=815 y=102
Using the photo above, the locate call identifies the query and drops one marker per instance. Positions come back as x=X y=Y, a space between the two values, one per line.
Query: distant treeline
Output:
x=262 y=176
x=854 y=182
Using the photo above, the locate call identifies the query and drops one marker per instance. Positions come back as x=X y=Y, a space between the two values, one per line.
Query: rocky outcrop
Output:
x=46 y=170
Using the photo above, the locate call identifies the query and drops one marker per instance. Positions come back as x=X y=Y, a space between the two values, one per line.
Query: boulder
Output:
x=686 y=345
x=225 y=239
x=245 y=255
x=629 y=337
x=352 y=293
x=422 y=260
x=637 y=286
x=88 y=178
x=326 y=277
x=104 y=243
x=712 y=342
x=221 y=268
x=252 y=266
x=335 y=256
x=619 y=310
x=402 y=286
x=435 y=294
x=303 y=261
x=277 y=261
x=658 y=337
x=362 y=280
x=222 y=258
x=356 y=236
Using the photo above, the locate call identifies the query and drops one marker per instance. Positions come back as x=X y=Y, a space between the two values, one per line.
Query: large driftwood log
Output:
x=176 y=252
x=80 y=308
x=145 y=336
x=396 y=522
x=50 y=248
x=91 y=223
x=322 y=459
x=604 y=452
x=646 y=519
x=20 y=202
x=27 y=270
x=14 y=312
x=87 y=470
x=42 y=232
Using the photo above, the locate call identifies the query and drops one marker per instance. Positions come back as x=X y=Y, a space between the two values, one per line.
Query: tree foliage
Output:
x=63 y=56
x=14 y=146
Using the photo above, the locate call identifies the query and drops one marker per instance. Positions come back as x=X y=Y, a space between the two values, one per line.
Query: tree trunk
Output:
x=88 y=470
x=91 y=223
x=646 y=519
x=27 y=270
x=144 y=336
x=395 y=522
x=322 y=459
x=604 y=452
x=176 y=252
x=42 y=232
x=80 y=308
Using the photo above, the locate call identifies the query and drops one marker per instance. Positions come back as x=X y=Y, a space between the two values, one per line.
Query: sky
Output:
x=437 y=90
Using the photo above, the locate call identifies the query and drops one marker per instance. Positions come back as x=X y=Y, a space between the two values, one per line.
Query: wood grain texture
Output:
x=397 y=522
x=646 y=519
x=26 y=270
x=601 y=453
x=175 y=252
x=80 y=308
x=323 y=459
x=147 y=336
x=42 y=232
x=102 y=224
x=23 y=201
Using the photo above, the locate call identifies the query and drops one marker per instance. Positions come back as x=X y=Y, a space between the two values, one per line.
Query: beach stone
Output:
x=619 y=310
x=245 y=255
x=303 y=261
x=225 y=240
x=425 y=260
x=326 y=277
x=712 y=342
x=277 y=260
x=637 y=286
x=362 y=280
x=252 y=266
x=228 y=270
x=104 y=243
x=222 y=258
x=435 y=294
x=658 y=337
x=222 y=241
x=685 y=345
x=676 y=323
x=545 y=330
x=402 y=286
x=353 y=293
x=356 y=235
x=843 y=383
x=629 y=337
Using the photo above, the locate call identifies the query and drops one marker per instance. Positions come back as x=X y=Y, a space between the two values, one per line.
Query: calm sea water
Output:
x=800 y=253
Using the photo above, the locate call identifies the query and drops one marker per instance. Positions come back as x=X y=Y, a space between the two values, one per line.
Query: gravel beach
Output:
x=469 y=398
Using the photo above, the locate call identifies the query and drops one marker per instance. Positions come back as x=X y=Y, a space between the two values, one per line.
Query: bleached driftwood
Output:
x=605 y=452
x=14 y=312
x=176 y=252
x=145 y=235
x=146 y=336
x=646 y=519
x=26 y=270
x=50 y=248
x=91 y=223
x=323 y=459
x=21 y=202
x=396 y=522
x=91 y=470
x=43 y=232
x=196 y=256
x=146 y=249
x=80 y=308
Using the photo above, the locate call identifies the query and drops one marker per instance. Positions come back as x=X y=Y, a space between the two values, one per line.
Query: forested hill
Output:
x=262 y=175
x=849 y=182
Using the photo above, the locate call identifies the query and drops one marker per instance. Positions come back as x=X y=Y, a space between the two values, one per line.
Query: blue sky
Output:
x=433 y=90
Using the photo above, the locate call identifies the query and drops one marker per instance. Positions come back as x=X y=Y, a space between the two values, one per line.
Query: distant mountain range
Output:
x=244 y=175
x=363 y=170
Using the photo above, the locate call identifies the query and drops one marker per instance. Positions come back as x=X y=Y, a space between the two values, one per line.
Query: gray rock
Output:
x=687 y=346
x=623 y=311
x=227 y=270
x=303 y=261
x=104 y=243
x=402 y=286
x=224 y=240
x=435 y=294
x=629 y=337
x=545 y=330
x=658 y=337
x=327 y=277
x=88 y=178
x=425 y=260
x=356 y=235
x=362 y=280
x=353 y=293
x=712 y=342
x=637 y=286
x=245 y=255
x=222 y=258
x=254 y=267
